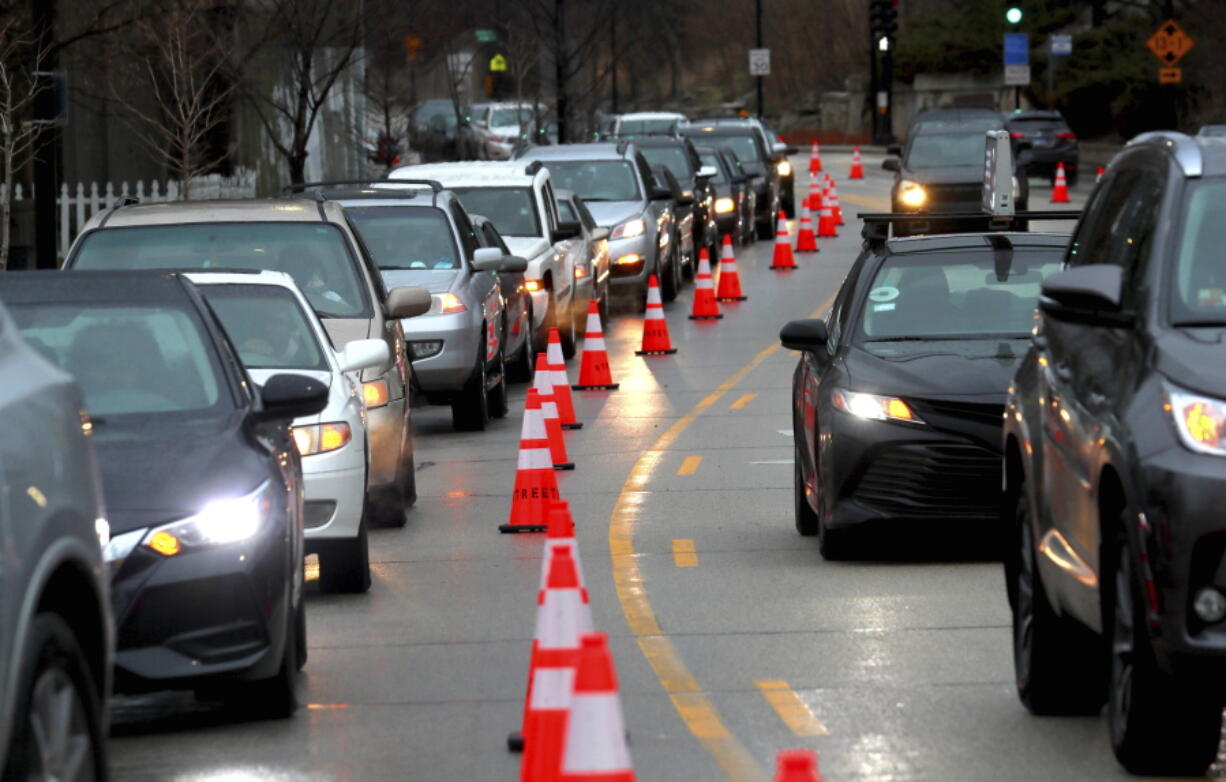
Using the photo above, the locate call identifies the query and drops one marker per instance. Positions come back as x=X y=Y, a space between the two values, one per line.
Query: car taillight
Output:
x=1067 y=134
x=1015 y=134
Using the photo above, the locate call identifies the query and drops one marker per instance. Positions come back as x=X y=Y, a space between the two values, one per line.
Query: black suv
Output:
x=678 y=155
x=1051 y=141
x=747 y=143
x=1115 y=464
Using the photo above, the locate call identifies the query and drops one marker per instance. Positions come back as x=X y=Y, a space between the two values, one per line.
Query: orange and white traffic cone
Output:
x=1059 y=191
x=594 y=373
x=729 y=277
x=782 y=260
x=815 y=159
x=825 y=224
x=561 y=532
x=535 y=484
x=561 y=382
x=542 y=385
x=1098 y=175
x=655 y=327
x=857 y=166
x=596 y=748
x=797 y=765
x=834 y=200
x=806 y=240
x=815 y=196
x=705 y=307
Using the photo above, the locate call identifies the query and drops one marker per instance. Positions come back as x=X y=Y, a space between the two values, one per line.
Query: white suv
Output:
x=518 y=198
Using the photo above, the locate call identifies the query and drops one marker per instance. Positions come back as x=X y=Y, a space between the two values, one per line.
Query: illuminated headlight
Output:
x=724 y=205
x=445 y=304
x=1210 y=605
x=1200 y=420
x=784 y=168
x=875 y=407
x=321 y=438
x=426 y=348
x=628 y=229
x=375 y=393
x=218 y=523
x=912 y=194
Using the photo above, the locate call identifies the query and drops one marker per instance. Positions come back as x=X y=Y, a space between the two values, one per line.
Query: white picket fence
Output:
x=76 y=204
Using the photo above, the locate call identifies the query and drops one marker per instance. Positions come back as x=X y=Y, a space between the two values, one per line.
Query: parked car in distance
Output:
x=1051 y=141
x=273 y=328
x=639 y=123
x=519 y=340
x=497 y=128
x=202 y=482
x=734 y=203
x=435 y=130
x=313 y=243
x=56 y=629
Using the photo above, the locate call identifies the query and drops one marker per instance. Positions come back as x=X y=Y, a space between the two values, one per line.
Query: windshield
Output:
x=746 y=150
x=266 y=326
x=942 y=150
x=631 y=126
x=596 y=180
x=672 y=158
x=128 y=359
x=955 y=296
x=1199 y=290
x=511 y=116
x=405 y=237
x=511 y=209
x=316 y=255
x=710 y=159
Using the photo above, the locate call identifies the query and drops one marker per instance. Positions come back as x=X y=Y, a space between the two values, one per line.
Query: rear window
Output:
x=266 y=326
x=672 y=158
x=632 y=126
x=596 y=180
x=511 y=209
x=405 y=237
x=316 y=255
x=745 y=147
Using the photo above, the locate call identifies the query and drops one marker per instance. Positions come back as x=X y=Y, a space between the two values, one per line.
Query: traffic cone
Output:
x=825 y=224
x=815 y=159
x=704 y=307
x=596 y=748
x=535 y=484
x=542 y=384
x=782 y=260
x=560 y=532
x=1098 y=175
x=655 y=327
x=1059 y=191
x=729 y=278
x=797 y=765
x=857 y=166
x=815 y=196
x=561 y=382
x=834 y=200
x=594 y=374
x=806 y=241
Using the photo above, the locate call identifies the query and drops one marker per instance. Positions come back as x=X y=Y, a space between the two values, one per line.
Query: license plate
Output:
x=1044 y=142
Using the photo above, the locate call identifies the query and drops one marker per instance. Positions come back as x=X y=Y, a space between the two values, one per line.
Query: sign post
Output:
x=1017 y=64
x=1058 y=46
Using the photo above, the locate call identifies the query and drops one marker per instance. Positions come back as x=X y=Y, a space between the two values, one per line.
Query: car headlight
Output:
x=445 y=304
x=230 y=520
x=629 y=229
x=321 y=438
x=724 y=205
x=912 y=194
x=875 y=407
x=1200 y=420
x=375 y=393
x=783 y=168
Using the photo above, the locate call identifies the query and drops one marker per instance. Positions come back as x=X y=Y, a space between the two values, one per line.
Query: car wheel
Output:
x=56 y=731
x=1056 y=663
x=1159 y=723
x=667 y=271
x=470 y=410
x=500 y=403
x=807 y=522
x=766 y=228
x=277 y=696
x=567 y=334
x=524 y=366
x=344 y=565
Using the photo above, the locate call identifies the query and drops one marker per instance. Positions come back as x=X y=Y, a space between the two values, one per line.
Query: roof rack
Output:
x=876 y=228
x=622 y=146
x=290 y=189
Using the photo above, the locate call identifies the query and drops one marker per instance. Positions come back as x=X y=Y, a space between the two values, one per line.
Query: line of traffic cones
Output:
x=833 y=186
x=535 y=484
x=1059 y=190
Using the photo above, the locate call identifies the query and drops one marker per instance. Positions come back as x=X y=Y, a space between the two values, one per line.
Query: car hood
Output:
x=435 y=281
x=1192 y=359
x=154 y=472
x=945 y=175
x=610 y=213
x=968 y=370
x=527 y=247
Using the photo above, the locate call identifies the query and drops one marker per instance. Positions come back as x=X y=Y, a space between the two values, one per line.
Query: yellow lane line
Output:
x=692 y=704
x=744 y=400
x=684 y=554
x=794 y=712
x=872 y=202
x=690 y=465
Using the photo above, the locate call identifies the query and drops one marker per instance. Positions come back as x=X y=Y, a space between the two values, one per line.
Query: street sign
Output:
x=1017 y=49
x=1061 y=44
x=759 y=62
x=1170 y=43
x=485 y=35
x=498 y=64
x=1170 y=75
x=1017 y=75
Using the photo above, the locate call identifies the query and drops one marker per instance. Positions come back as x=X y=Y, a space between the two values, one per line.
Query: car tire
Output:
x=1159 y=724
x=344 y=565
x=667 y=271
x=1057 y=663
x=53 y=665
x=470 y=409
x=277 y=696
x=807 y=522
x=523 y=368
x=765 y=229
x=500 y=402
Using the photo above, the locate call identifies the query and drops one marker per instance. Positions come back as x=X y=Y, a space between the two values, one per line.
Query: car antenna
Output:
x=1002 y=251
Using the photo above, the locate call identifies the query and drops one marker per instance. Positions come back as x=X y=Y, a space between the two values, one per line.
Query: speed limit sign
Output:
x=759 y=62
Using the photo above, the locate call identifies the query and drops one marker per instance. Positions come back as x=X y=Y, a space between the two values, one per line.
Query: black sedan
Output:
x=202 y=482
x=735 y=200
x=898 y=396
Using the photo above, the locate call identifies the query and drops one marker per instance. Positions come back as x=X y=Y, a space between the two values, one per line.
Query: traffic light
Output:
x=882 y=18
x=1013 y=15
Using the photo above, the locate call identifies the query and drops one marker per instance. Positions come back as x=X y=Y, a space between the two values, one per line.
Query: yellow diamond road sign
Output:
x=498 y=63
x=1170 y=43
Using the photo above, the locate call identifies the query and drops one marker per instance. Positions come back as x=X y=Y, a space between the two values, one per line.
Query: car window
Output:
x=406 y=237
x=316 y=255
x=266 y=326
x=970 y=125
x=940 y=150
x=672 y=158
x=491 y=238
x=746 y=149
x=597 y=180
x=839 y=313
x=1105 y=227
x=953 y=296
x=551 y=205
x=512 y=209
x=1198 y=292
x=712 y=160
x=128 y=359
x=567 y=213
x=630 y=126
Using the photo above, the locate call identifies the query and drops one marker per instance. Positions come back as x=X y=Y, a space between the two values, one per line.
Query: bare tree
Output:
x=19 y=88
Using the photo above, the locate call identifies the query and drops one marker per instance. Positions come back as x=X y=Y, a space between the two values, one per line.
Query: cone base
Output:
x=732 y=298
x=783 y=268
x=564 y=466
x=668 y=352
x=576 y=425
x=515 y=742
x=706 y=317
x=814 y=250
x=506 y=528
x=609 y=387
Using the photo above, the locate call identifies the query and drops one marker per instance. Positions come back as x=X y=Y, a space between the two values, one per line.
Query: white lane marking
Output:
x=775 y=461
x=785 y=432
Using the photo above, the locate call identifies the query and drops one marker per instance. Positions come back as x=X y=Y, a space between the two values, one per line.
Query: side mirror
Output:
x=364 y=354
x=661 y=194
x=488 y=259
x=892 y=164
x=600 y=233
x=809 y=334
x=707 y=172
x=286 y=397
x=685 y=199
x=566 y=230
x=513 y=264
x=408 y=301
x=779 y=148
x=894 y=149
x=1090 y=294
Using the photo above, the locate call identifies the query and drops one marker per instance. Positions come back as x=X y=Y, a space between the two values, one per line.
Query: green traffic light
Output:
x=1013 y=15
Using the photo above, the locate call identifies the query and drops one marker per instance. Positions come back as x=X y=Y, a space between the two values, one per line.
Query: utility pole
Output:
x=560 y=66
x=758 y=26
x=47 y=143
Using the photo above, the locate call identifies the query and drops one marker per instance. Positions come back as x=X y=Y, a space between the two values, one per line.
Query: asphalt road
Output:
x=898 y=668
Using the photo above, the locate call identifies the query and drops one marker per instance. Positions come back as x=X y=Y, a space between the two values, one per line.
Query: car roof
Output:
x=955 y=114
x=233 y=210
x=703 y=129
x=470 y=173
x=242 y=277
x=646 y=115
x=598 y=150
x=119 y=287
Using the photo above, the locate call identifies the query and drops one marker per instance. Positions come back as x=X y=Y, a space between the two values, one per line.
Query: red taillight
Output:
x=1015 y=134
x=1067 y=134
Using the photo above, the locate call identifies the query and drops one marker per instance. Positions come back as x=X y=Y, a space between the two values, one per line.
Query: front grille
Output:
x=938 y=479
x=990 y=414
